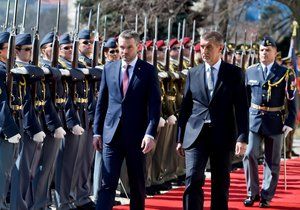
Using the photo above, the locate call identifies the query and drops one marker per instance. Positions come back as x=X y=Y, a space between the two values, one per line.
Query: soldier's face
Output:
x=128 y=49
x=85 y=46
x=24 y=53
x=267 y=54
x=65 y=51
x=3 y=52
x=47 y=51
x=174 y=51
x=112 y=54
x=210 y=51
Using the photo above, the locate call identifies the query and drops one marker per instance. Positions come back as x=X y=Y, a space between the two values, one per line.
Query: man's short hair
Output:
x=213 y=36
x=130 y=34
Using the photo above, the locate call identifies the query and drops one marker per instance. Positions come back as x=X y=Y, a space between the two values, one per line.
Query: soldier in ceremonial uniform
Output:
x=10 y=133
x=111 y=51
x=174 y=51
x=269 y=85
x=53 y=140
x=67 y=155
x=85 y=47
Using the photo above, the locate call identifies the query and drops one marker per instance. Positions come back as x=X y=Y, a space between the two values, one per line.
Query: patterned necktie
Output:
x=210 y=80
x=125 y=80
x=265 y=72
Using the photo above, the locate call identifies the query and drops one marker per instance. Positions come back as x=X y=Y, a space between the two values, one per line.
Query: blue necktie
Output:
x=210 y=80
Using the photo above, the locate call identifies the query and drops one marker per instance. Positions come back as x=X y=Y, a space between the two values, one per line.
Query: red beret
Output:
x=149 y=43
x=197 y=47
x=140 y=47
x=173 y=42
x=160 y=43
x=186 y=40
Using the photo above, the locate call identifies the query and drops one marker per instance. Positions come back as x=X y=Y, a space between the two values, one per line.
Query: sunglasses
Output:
x=67 y=48
x=175 y=48
x=86 y=42
x=50 y=45
x=113 y=51
x=26 y=49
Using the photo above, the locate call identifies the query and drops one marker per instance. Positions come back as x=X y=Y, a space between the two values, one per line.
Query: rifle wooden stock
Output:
x=192 y=56
x=154 y=56
x=9 y=65
x=75 y=55
x=95 y=53
x=167 y=59
x=180 y=58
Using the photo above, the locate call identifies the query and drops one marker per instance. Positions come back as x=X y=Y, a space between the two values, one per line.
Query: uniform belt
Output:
x=60 y=100
x=171 y=98
x=81 y=100
x=268 y=109
x=16 y=107
x=39 y=103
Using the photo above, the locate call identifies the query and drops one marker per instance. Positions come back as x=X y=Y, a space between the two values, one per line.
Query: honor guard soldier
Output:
x=10 y=131
x=85 y=47
x=111 y=50
x=54 y=135
x=74 y=110
x=174 y=51
x=270 y=87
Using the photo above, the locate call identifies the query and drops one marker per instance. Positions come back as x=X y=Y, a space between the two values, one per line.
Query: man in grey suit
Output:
x=213 y=121
x=270 y=87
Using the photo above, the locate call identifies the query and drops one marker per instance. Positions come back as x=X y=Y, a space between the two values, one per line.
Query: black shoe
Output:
x=294 y=154
x=264 y=203
x=250 y=200
x=88 y=206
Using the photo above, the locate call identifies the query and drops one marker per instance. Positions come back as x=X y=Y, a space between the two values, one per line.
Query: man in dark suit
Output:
x=270 y=86
x=126 y=119
x=213 y=121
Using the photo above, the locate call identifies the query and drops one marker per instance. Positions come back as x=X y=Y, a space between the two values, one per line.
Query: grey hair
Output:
x=213 y=36
x=130 y=34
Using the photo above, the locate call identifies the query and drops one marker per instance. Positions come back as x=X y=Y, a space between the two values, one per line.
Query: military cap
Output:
x=173 y=42
x=160 y=43
x=111 y=43
x=4 y=36
x=84 y=34
x=268 y=41
x=23 y=39
x=48 y=38
x=65 y=39
x=197 y=47
x=186 y=40
x=149 y=43
x=140 y=47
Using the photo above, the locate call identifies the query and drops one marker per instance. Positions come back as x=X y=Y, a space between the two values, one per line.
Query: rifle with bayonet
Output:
x=250 y=57
x=225 y=49
x=244 y=53
x=74 y=62
x=154 y=50
x=233 y=61
x=167 y=52
x=35 y=49
x=102 y=57
x=5 y=25
x=55 y=51
x=136 y=22
x=11 y=55
x=96 y=40
x=122 y=23
x=90 y=20
x=22 y=26
x=180 y=55
x=144 y=50
x=192 y=50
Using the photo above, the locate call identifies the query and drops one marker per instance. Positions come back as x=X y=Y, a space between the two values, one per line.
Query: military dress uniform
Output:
x=8 y=128
x=268 y=91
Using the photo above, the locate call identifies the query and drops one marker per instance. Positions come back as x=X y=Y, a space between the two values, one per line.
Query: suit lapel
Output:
x=133 y=77
x=203 y=89
x=116 y=75
x=272 y=72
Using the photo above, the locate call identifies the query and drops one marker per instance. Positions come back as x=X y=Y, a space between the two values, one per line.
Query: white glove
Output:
x=14 y=139
x=46 y=70
x=19 y=70
x=64 y=72
x=175 y=74
x=84 y=70
x=162 y=122
x=39 y=137
x=184 y=71
x=77 y=130
x=163 y=74
x=286 y=129
x=171 y=120
x=59 y=133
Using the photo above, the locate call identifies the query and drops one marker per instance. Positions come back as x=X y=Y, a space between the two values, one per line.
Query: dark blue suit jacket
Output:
x=270 y=123
x=228 y=107
x=138 y=111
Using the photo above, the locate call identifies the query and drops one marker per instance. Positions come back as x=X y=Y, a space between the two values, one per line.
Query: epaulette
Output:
x=253 y=65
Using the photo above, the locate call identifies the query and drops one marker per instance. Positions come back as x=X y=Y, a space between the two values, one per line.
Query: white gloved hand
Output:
x=185 y=71
x=59 y=133
x=162 y=122
x=19 y=70
x=286 y=129
x=39 y=137
x=163 y=74
x=85 y=71
x=64 y=72
x=77 y=130
x=14 y=139
x=171 y=120
x=46 y=70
